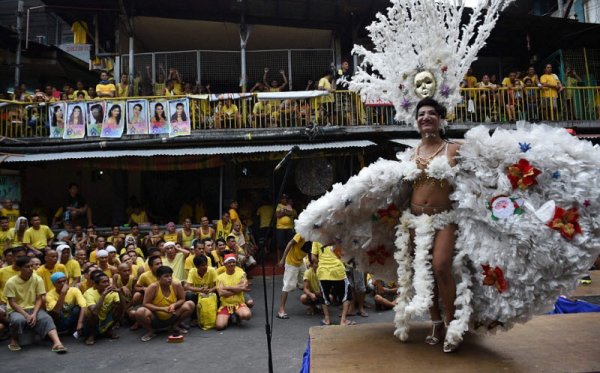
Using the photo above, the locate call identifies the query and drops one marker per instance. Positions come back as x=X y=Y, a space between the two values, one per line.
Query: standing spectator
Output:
x=274 y=86
x=105 y=88
x=264 y=214
x=531 y=74
x=285 y=225
x=513 y=87
x=326 y=102
x=487 y=99
x=233 y=211
x=572 y=94
x=551 y=86
x=175 y=78
x=333 y=281
x=223 y=226
x=228 y=115
x=4 y=235
x=123 y=86
x=344 y=107
x=10 y=212
x=531 y=99
x=92 y=92
x=24 y=294
x=470 y=79
x=293 y=262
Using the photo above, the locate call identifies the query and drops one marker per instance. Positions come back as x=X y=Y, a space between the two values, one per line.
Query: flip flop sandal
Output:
x=348 y=322
x=147 y=337
x=283 y=316
x=323 y=323
x=14 y=348
x=60 y=349
x=363 y=314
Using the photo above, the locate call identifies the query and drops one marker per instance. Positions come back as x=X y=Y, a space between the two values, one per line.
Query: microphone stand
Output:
x=268 y=322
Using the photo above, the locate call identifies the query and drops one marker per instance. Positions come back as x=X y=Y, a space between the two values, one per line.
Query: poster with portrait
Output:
x=159 y=117
x=179 y=118
x=76 y=120
x=137 y=117
x=114 y=119
x=56 y=119
x=95 y=117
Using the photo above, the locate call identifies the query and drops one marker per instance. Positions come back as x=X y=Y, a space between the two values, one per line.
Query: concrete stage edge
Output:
x=548 y=343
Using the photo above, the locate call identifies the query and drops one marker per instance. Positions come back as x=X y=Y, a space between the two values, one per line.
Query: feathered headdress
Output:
x=422 y=50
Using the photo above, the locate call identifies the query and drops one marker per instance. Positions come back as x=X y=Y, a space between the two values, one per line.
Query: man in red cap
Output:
x=231 y=286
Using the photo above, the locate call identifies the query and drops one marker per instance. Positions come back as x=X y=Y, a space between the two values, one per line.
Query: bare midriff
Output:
x=431 y=197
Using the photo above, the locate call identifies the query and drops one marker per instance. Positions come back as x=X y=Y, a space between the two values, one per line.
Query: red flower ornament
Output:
x=566 y=222
x=522 y=174
x=494 y=277
x=378 y=255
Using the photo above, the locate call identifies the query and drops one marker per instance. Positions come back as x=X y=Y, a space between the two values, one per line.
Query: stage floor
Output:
x=549 y=343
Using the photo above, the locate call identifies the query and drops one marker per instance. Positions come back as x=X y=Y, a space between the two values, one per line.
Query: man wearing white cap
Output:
x=175 y=259
x=102 y=257
x=112 y=256
x=231 y=286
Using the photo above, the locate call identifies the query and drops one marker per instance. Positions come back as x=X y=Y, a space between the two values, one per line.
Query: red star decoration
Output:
x=494 y=277
x=566 y=222
x=522 y=174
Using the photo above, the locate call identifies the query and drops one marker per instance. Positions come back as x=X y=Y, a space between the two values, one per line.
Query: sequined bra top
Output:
x=433 y=169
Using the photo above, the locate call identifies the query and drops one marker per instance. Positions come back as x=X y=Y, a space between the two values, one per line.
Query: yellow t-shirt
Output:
x=507 y=83
x=313 y=280
x=549 y=79
x=225 y=279
x=5 y=274
x=73 y=269
x=74 y=297
x=111 y=239
x=330 y=266
x=216 y=259
x=146 y=279
x=223 y=230
x=138 y=251
x=295 y=255
x=122 y=90
x=265 y=213
x=284 y=222
x=325 y=84
x=12 y=216
x=73 y=96
x=189 y=262
x=140 y=218
x=38 y=238
x=105 y=89
x=4 y=240
x=92 y=297
x=24 y=292
x=209 y=279
x=471 y=81
x=170 y=237
x=13 y=239
x=229 y=111
x=177 y=264
x=45 y=274
x=233 y=215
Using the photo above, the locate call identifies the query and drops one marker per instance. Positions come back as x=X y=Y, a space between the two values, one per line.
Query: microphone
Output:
x=287 y=157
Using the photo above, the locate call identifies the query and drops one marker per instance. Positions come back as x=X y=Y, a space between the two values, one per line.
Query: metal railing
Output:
x=342 y=108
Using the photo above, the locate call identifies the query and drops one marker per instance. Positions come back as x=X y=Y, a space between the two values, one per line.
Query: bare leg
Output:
x=221 y=322
x=443 y=250
x=282 y=301
x=345 y=307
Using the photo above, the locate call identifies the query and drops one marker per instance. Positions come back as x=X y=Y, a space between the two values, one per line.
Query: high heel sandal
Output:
x=451 y=347
x=436 y=327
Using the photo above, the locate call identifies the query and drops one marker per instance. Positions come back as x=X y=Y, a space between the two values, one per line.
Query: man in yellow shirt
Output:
x=233 y=214
x=103 y=301
x=38 y=236
x=332 y=278
x=4 y=236
x=228 y=115
x=175 y=259
x=65 y=304
x=264 y=214
x=164 y=305
x=201 y=279
x=198 y=249
x=10 y=212
x=205 y=230
x=79 y=91
x=470 y=78
x=231 y=286
x=285 y=224
x=24 y=294
x=224 y=226
x=105 y=88
x=50 y=267
x=293 y=262
x=149 y=277
x=123 y=86
x=5 y=274
x=311 y=294
x=551 y=87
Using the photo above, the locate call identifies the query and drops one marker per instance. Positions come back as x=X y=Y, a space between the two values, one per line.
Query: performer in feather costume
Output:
x=495 y=228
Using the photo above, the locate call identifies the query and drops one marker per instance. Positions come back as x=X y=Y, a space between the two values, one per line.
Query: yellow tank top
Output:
x=186 y=241
x=205 y=235
x=170 y=237
x=161 y=301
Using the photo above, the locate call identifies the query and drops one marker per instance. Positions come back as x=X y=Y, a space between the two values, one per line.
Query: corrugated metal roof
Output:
x=174 y=152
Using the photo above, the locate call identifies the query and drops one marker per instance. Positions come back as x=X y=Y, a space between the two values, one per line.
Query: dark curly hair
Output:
x=439 y=108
